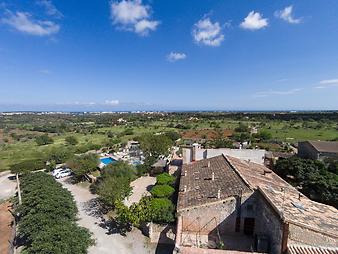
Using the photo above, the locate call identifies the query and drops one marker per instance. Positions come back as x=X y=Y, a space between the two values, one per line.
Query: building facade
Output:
x=236 y=205
x=318 y=150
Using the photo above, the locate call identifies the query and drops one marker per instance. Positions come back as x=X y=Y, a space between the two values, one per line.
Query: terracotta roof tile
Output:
x=202 y=188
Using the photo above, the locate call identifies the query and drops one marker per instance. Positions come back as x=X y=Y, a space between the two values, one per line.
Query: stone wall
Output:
x=203 y=223
x=306 y=151
x=268 y=223
x=163 y=234
x=301 y=235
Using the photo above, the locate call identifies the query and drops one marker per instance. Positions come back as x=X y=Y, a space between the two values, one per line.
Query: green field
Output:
x=14 y=151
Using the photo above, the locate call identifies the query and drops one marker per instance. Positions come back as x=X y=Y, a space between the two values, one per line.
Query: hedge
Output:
x=47 y=218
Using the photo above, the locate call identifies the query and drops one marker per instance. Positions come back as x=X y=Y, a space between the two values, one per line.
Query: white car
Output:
x=63 y=173
x=56 y=171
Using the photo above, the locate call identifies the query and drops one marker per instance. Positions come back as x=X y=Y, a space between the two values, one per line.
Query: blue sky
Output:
x=175 y=55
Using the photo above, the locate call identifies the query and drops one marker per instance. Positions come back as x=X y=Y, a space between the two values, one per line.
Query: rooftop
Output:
x=304 y=249
x=226 y=176
x=288 y=202
x=202 y=182
x=325 y=146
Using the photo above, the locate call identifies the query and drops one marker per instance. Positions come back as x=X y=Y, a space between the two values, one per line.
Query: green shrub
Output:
x=162 y=191
x=71 y=140
x=162 y=210
x=165 y=178
x=44 y=140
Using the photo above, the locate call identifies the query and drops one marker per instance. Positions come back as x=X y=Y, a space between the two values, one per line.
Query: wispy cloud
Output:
x=287 y=15
x=254 y=21
x=25 y=23
x=50 y=8
x=112 y=102
x=175 y=56
x=132 y=15
x=208 y=33
x=92 y=103
x=275 y=92
x=327 y=83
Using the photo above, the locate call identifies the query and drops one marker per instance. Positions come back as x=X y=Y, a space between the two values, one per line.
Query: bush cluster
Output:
x=47 y=218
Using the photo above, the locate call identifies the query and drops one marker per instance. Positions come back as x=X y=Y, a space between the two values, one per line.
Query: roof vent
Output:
x=213 y=176
x=219 y=194
x=208 y=164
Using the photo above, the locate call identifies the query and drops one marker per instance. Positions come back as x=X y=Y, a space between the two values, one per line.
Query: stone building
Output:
x=242 y=206
x=318 y=150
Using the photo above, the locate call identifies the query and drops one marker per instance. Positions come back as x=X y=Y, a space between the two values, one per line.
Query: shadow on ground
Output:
x=164 y=249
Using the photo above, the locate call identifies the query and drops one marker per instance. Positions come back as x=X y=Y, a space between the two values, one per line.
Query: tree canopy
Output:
x=83 y=164
x=47 y=218
x=155 y=145
x=313 y=177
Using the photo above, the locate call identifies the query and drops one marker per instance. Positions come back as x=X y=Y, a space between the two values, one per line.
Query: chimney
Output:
x=185 y=188
x=208 y=164
x=185 y=173
x=219 y=194
x=213 y=176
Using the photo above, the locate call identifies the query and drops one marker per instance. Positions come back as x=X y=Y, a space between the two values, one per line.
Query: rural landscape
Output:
x=168 y=127
x=126 y=196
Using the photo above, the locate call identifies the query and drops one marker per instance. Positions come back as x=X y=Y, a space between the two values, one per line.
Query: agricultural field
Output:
x=18 y=133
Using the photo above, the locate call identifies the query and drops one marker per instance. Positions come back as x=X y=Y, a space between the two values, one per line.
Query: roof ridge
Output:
x=237 y=172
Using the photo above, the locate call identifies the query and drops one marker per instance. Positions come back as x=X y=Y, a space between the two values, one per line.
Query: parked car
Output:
x=56 y=171
x=63 y=173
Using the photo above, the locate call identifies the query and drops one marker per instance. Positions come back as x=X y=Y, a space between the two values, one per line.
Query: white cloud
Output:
x=144 y=26
x=327 y=83
x=24 y=22
x=175 y=56
x=112 y=102
x=208 y=33
x=254 y=21
x=287 y=15
x=50 y=8
x=273 y=92
x=132 y=15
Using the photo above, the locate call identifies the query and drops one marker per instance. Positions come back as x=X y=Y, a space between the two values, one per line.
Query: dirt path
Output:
x=106 y=242
x=6 y=227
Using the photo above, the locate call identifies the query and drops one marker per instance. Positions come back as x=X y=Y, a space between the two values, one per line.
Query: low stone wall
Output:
x=163 y=234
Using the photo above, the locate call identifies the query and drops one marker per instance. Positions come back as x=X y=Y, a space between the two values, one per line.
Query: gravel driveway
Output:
x=106 y=242
x=7 y=186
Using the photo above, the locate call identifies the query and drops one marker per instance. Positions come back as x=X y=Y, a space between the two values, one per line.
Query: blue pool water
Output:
x=107 y=160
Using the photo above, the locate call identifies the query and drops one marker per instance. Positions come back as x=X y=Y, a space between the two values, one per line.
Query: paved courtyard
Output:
x=141 y=187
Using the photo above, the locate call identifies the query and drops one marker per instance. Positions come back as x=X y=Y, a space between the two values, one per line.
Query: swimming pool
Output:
x=107 y=160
